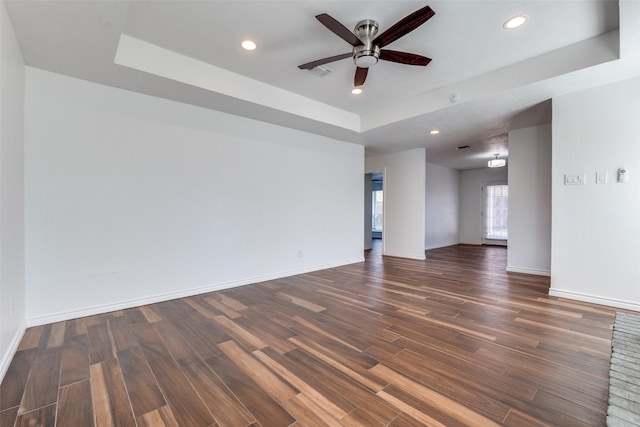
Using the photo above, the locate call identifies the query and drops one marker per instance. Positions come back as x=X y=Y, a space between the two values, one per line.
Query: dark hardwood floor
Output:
x=450 y=341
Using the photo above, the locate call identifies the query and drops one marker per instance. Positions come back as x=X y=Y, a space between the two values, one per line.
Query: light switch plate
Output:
x=575 y=178
x=601 y=177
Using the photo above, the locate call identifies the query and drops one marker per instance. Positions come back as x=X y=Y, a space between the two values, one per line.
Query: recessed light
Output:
x=434 y=132
x=356 y=91
x=249 y=45
x=515 y=22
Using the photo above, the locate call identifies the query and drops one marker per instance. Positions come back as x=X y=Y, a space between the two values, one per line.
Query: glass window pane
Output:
x=376 y=210
x=496 y=215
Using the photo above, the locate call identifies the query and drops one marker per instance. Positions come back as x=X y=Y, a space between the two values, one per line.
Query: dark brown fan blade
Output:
x=338 y=29
x=404 y=57
x=361 y=76
x=404 y=26
x=310 y=65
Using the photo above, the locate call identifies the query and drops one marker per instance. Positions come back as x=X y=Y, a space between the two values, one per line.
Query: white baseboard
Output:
x=121 y=305
x=440 y=245
x=527 y=270
x=11 y=350
x=421 y=257
x=610 y=302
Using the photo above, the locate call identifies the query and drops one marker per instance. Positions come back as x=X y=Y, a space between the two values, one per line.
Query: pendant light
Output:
x=497 y=163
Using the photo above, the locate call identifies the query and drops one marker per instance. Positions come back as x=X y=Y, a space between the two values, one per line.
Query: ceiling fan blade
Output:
x=404 y=26
x=404 y=57
x=339 y=30
x=312 y=64
x=361 y=76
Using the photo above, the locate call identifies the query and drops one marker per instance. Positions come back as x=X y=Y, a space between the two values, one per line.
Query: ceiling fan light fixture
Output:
x=356 y=91
x=248 y=45
x=497 y=163
x=365 y=61
x=366 y=56
x=434 y=132
x=515 y=22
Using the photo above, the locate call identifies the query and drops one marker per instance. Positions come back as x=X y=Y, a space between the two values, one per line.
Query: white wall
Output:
x=442 y=208
x=596 y=227
x=529 y=248
x=12 y=285
x=132 y=199
x=404 y=201
x=471 y=201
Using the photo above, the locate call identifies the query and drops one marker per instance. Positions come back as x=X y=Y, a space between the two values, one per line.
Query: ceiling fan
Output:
x=367 y=48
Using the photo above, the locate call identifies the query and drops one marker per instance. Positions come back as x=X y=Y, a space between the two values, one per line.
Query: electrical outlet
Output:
x=575 y=179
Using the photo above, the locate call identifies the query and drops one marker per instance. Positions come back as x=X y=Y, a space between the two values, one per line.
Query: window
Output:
x=496 y=211
x=376 y=211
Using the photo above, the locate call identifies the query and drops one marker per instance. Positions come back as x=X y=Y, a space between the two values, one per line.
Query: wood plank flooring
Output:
x=450 y=341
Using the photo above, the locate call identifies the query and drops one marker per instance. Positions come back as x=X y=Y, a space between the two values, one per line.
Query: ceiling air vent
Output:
x=320 y=71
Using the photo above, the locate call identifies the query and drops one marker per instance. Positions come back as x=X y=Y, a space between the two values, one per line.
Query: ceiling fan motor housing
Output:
x=367 y=54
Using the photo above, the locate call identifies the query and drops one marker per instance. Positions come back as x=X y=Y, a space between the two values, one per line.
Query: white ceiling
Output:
x=189 y=51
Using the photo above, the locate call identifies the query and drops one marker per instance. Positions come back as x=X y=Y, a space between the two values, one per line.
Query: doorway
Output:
x=495 y=213
x=374 y=209
x=377 y=206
